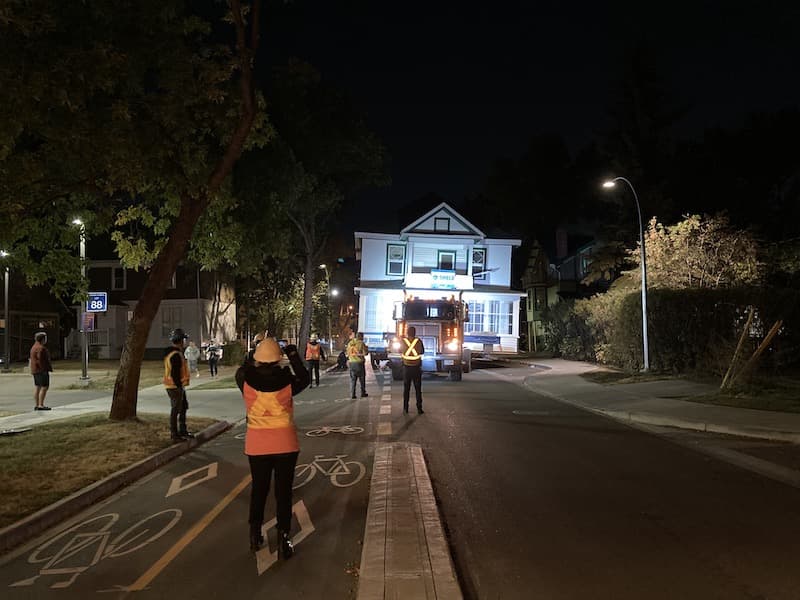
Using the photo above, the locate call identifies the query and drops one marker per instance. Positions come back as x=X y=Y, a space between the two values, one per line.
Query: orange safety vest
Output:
x=270 y=421
x=312 y=351
x=185 y=378
x=411 y=356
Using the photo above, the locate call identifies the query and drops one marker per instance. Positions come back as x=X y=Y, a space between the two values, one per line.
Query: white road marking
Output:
x=178 y=486
x=264 y=557
x=384 y=428
x=386 y=409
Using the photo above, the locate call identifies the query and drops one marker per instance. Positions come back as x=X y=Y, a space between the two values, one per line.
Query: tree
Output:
x=700 y=252
x=132 y=115
x=323 y=153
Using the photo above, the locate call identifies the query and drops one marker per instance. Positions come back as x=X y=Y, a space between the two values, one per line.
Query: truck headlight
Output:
x=452 y=345
x=396 y=345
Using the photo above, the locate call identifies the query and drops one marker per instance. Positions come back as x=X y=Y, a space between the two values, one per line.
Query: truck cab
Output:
x=439 y=323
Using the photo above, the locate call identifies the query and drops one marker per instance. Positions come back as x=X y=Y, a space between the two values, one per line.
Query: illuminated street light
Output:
x=6 y=328
x=84 y=339
x=610 y=184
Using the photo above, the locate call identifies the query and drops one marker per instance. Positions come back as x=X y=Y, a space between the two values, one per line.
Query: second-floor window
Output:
x=479 y=264
x=395 y=259
x=447 y=260
x=118 y=278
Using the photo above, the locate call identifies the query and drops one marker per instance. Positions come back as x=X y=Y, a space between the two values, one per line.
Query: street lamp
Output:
x=328 y=281
x=610 y=184
x=84 y=339
x=6 y=329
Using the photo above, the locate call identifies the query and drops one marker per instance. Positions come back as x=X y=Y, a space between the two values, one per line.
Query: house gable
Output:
x=442 y=220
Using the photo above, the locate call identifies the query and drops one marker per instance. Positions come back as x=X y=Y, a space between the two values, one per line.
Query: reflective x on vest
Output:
x=411 y=353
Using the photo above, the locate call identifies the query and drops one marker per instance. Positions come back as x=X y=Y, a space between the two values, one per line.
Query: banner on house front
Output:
x=443 y=280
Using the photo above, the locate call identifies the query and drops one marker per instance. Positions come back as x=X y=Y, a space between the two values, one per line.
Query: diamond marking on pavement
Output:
x=265 y=558
x=177 y=486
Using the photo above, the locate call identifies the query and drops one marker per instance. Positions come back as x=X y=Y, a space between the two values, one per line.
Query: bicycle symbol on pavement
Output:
x=341 y=474
x=325 y=430
x=82 y=546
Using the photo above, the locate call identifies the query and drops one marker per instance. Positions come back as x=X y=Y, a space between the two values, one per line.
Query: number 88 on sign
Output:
x=97 y=302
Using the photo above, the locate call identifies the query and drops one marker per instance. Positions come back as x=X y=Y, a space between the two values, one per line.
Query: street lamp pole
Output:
x=84 y=339
x=328 y=281
x=645 y=345
x=6 y=329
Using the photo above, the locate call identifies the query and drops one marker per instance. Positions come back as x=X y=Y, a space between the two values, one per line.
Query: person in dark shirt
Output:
x=40 y=369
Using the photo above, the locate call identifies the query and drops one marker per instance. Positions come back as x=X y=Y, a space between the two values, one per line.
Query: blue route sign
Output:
x=97 y=302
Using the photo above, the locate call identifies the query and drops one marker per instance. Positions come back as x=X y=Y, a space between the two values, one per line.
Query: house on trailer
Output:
x=202 y=303
x=439 y=254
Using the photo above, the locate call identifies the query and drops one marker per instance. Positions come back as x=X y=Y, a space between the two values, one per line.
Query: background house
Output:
x=439 y=254
x=202 y=303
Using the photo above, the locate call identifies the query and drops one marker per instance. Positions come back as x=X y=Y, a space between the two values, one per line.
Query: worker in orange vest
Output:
x=314 y=352
x=270 y=442
x=176 y=378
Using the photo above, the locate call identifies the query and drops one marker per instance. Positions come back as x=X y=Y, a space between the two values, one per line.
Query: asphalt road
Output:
x=539 y=499
x=182 y=531
x=543 y=500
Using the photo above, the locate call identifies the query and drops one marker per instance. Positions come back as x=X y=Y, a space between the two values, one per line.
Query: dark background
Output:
x=450 y=87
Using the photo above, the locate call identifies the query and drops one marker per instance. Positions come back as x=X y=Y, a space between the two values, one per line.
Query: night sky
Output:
x=451 y=86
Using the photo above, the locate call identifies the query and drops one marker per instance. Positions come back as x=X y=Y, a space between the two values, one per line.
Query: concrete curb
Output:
x=405 y=552
x=679 y=423
x=32 y=525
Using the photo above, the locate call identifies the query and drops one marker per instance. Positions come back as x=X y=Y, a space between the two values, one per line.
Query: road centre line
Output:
x=153 y=572
x=386 y=409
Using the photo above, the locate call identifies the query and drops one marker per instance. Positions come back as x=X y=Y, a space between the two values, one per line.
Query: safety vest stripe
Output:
x=411 y=350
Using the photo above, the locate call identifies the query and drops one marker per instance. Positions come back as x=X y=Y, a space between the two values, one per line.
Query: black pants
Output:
x=261 y=468
x=212 y=366
x=358 y=372
x=313 y=367
x=177 y=414
x=412 y=374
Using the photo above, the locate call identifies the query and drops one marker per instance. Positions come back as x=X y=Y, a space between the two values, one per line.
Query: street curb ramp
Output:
x=20 y=532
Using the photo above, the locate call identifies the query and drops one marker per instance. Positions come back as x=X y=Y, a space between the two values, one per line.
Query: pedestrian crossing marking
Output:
x=386 y=409
x=384 y=429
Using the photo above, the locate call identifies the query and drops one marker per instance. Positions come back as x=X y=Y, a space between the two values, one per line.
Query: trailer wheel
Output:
x=455 y=375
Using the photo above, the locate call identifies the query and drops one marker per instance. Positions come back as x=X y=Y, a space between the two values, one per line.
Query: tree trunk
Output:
x=123 y=405
x=308 y=299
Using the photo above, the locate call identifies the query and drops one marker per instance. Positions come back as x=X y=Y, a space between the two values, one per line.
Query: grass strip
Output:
x=55 y=460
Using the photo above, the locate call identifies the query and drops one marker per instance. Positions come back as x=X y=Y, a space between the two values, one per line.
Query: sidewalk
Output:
x=657 y=403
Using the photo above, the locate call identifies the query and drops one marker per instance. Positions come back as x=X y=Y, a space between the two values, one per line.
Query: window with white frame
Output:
x=441 y=224
x=447 y=260
x=496 y=316
x=171 y=318
x=479 y=264
x=395 y=259
x=119 y=278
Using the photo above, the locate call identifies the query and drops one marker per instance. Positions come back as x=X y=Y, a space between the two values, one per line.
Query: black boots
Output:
x=256 y=539
x=285 y=547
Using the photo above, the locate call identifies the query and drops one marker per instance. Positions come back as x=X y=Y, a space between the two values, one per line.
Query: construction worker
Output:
x=412 y=351
x=176 y=378
x=356 y=354
x=314 y=352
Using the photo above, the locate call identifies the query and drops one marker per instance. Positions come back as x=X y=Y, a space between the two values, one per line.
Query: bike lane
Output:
x=181 y=532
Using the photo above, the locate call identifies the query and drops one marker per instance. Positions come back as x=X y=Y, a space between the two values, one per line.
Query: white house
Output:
x=439 y=254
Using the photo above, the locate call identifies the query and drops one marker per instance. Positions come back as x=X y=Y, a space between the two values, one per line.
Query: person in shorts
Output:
x=40 y=369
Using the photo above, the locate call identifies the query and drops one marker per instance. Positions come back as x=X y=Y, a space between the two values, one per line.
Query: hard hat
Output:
x=176 y=335
x=259 y=337
x=267 y=351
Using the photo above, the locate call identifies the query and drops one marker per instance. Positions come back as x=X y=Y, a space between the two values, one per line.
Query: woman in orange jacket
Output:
x=271 y=439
